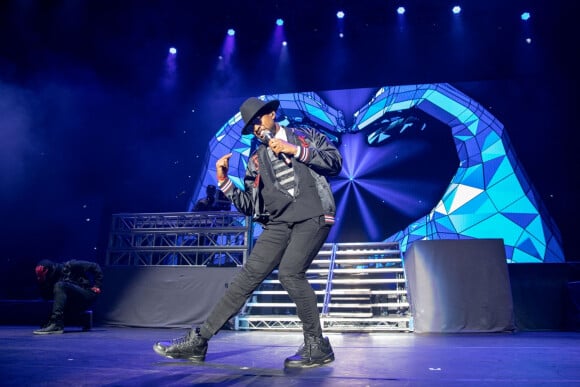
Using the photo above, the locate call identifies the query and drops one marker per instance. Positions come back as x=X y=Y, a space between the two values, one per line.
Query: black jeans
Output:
x=70 y=298
x=291 y=247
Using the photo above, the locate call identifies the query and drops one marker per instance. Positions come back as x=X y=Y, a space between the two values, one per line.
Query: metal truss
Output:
x=217 y=238
x=329 y=323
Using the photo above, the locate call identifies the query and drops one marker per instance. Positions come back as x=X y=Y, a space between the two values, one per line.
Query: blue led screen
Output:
x=420 y=162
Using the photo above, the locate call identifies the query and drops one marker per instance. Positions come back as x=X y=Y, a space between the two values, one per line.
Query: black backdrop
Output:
x=86 y=130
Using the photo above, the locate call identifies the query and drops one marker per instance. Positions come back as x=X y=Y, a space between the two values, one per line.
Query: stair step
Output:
x=283 y=292
x=351 y=291
x=348 y=281
x=350 y=298
x=358 y=261
x=349 y=305
x=364 y=252
x=345 y=314
x=359 y=271
x=358 y=286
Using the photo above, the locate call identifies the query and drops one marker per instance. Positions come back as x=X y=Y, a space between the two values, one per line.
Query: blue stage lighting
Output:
x=173 y=50
x=340 y=15
x=488 y=197
x=525 y=16
x=279 y=22
x=456 y=9
x=231 y=32
x=401 y=10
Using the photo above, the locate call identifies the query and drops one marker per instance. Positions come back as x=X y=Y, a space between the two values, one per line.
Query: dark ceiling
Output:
x=125 y=41
x=87 y=131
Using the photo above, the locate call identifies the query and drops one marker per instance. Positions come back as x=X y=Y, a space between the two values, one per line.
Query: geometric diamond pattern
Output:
x=488 y=197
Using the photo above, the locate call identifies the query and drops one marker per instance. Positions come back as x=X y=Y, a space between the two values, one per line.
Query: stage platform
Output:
x=117 y=356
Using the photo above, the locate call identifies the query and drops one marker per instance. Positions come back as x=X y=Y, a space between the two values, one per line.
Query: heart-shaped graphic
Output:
x=481 y=191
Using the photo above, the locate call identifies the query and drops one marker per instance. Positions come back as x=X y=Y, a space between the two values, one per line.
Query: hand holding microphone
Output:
x=279 y=147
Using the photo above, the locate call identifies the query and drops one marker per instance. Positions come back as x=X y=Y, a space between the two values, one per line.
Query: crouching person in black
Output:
x=73 y=285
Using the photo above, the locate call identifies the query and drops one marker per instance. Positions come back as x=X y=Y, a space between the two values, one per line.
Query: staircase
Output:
x=360 y=287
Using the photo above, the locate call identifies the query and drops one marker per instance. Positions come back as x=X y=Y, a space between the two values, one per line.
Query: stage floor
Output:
x=115 y=356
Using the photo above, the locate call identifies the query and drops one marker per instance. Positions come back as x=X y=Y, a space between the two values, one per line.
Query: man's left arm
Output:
x=318 y=153
x=95 y=272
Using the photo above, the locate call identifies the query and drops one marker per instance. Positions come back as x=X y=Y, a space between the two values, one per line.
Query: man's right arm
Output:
x=242 y=199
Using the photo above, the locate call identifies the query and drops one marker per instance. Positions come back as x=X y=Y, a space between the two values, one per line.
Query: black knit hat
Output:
x=253 y=107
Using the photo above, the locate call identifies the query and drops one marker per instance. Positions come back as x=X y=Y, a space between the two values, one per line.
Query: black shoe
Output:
x=192 y=346
x=50 y=329
x=315 y=352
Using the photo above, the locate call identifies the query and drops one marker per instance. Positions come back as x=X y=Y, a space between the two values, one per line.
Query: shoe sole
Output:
x=318 y=363
x=161 y=352
x=48 y=333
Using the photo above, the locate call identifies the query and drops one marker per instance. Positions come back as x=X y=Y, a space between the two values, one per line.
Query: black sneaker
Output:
x=315 y=352
x=192 y=347
x=50 y=329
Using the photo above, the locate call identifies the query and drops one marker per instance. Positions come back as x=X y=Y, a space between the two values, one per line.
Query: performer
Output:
x=73 y=285
x=287 y=191
x=207 y=203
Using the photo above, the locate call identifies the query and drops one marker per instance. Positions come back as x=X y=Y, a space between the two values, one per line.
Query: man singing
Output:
x=286 y=190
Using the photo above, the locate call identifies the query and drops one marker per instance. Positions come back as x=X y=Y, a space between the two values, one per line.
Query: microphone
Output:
x=268 y=136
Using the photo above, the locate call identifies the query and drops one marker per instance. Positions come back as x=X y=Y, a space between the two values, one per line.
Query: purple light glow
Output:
x=374 y=189
x=279 y=37
x=396 y=193
x=228 y=49
x=370 y=224
x=341 y=211
x=170 y=76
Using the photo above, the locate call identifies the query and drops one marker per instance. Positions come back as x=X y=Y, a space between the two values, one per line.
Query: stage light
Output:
x=279 y=22
x=525 y=16
x=528 y=40
x=341 y=35
x=401 y=10
x=456 y=9
x=231 y=32
x=284 y=43
x=340 y=15
x=173 y=50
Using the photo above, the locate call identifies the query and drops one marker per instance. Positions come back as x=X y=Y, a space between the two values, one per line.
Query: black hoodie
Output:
x=82 y=273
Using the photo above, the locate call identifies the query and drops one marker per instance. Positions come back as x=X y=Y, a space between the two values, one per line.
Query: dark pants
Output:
x=291 y=247
x=70 y=298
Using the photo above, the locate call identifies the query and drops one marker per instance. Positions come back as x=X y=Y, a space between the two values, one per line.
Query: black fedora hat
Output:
x=253 y=107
